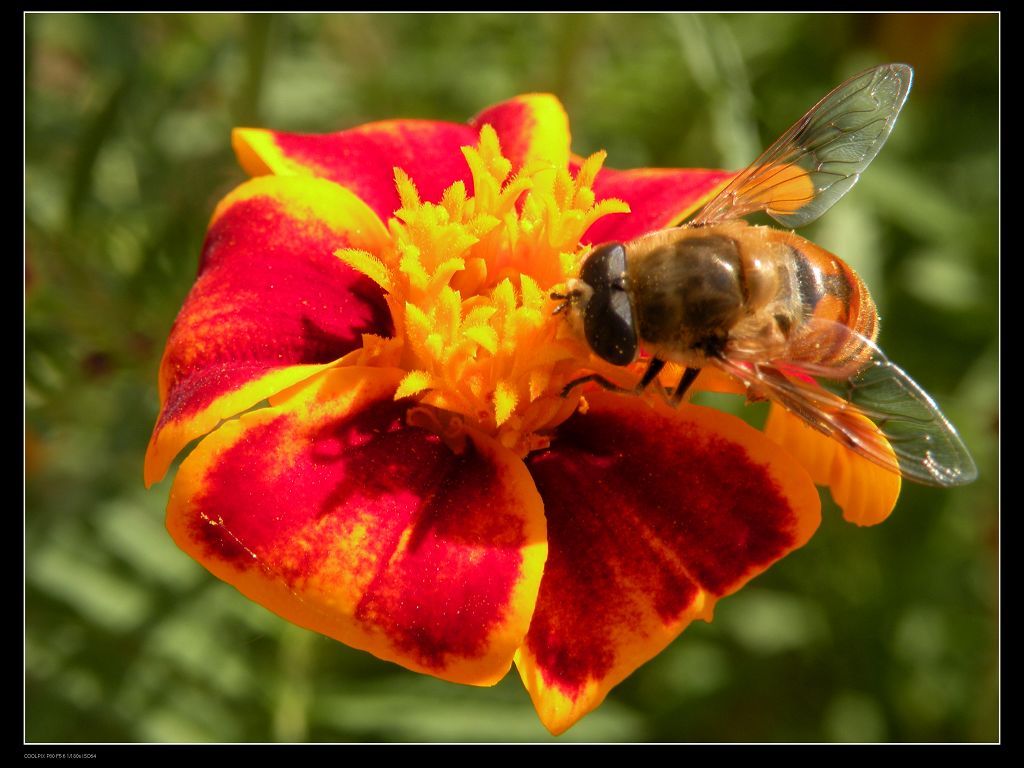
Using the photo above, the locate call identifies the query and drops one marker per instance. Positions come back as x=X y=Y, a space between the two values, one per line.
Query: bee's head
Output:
x=599 y=305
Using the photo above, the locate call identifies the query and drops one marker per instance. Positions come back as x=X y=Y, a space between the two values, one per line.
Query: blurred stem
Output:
x=95 y=135
x=291 y=710
x=572 y=32
x=257 y=36
x=716 y=64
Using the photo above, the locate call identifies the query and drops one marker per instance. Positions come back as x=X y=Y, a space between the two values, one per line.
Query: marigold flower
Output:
x=417 y=487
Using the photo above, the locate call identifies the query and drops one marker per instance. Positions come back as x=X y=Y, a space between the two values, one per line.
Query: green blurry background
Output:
x=883 y=634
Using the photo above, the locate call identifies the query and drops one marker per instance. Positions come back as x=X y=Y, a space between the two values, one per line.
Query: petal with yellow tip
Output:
x=532 y=127
x=270 y=307
x=363 y=159
x=332 y=511
x=653 y=514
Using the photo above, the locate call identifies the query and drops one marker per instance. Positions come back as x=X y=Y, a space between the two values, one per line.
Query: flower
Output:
x=416 y=485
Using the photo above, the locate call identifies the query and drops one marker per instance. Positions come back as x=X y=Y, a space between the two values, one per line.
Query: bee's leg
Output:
x=684 y=384
x=597 y=379
x=653 y=369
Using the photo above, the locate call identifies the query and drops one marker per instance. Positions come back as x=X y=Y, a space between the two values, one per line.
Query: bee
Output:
x=788 y=319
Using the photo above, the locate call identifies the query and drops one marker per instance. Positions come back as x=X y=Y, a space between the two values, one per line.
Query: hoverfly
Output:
x=790 y=320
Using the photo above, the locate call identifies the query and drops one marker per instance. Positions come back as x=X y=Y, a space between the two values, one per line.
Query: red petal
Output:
x=657 y=198
x=331 y=511
x=272 y=304
x=652 y=515
x=363 y=159
x=531 y=127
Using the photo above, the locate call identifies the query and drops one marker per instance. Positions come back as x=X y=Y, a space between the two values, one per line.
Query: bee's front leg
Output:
x=597 y=378
x=653 y=369
x=684 y=384
x=676 y=396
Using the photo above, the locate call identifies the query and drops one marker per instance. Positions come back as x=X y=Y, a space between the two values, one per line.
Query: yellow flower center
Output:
x=468 y=283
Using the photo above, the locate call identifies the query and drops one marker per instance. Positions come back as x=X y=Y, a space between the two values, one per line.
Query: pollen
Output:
x=468 y=280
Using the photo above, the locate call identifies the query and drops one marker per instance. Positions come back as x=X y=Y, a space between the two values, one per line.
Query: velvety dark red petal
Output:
x=271 y=305
x=653 y=515
x=657 y=198
x=532 y=127
x=329 y=509
x=363 y=159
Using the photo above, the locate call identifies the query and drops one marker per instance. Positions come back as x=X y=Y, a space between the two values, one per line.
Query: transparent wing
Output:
x=819 y=159
x=833 y=400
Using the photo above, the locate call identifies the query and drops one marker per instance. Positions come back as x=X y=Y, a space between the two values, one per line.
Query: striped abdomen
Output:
x=831 y=291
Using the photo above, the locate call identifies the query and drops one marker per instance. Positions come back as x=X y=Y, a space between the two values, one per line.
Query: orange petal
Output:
x=333 y=512
x=532 y=127
x=363 y=159
x=271 y=306
x=653 y=514
x=711 y=379
x=866 y=492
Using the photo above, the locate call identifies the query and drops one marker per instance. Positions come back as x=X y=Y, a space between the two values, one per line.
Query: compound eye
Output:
x=608 y=321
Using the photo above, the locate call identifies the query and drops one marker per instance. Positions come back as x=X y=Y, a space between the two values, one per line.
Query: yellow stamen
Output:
x=468 y=283
x=413 y=383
